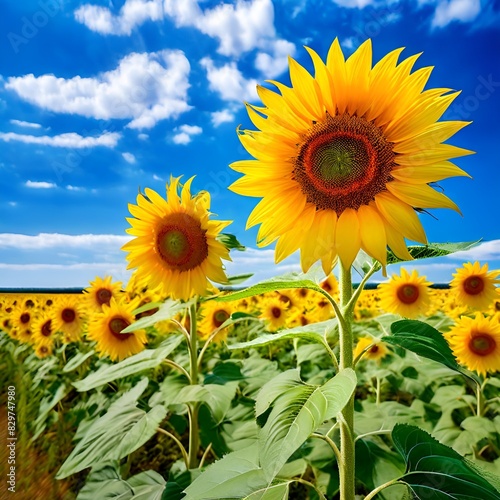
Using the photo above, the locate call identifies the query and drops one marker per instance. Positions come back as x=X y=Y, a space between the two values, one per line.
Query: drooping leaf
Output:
x=167 y=310
x=296 y=414
x=122 y=430
x=315 y=332
x=434 y=470
x=286 y=281
x=230 y=241
x=142 y=361
x=238 y=279
x=77 y=360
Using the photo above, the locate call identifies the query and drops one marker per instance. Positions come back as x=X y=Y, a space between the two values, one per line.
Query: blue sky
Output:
x=101 y=98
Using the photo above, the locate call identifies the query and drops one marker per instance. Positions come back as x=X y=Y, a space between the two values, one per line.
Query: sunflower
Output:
x=43 y=330
x=344 y=159
x=175 y=242
x=474 y=285
x=68 y=318
x=275 y=312
x=43 y=351
x=330 y=285
x=407 y=295
x=475 y=342
x=214 y=314
x=376 y=352
x=100 y=293
x=21 y=317
x=105 y=328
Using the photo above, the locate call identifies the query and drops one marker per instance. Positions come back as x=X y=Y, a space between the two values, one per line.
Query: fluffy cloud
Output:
x=69 y=140
x=132 y=14
x=448 y=11
x=21 y=123
x=220 y=117
x=146 y=87
x=228 y=81
x=354 y=4
x=184 y=133
x=276 y=62
x=56 y=240
x=39 y=185
x=129 y=157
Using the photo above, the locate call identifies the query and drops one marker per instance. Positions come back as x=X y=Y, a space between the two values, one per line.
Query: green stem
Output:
x=480 y=401
x=179 y=444
x=346 y=465
x=380 y=488
x=173 y=364
x=378 y=391
x=193 y=408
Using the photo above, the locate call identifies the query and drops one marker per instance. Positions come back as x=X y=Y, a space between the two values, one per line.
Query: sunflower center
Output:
x=116 y=325
x=219 y=317
x=103 y=296
x=276 y=312
x=46 y=329
x=68 y=315
x=181 y=242
x=482 y=344
x=374 y=349
x=408 y=294
x=25 y=318
x=343 y=162
x=473 y=285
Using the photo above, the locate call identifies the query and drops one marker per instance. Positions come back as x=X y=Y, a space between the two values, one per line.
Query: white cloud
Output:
x=239 y=27
x=40 y=185
x=69 y=187
x=489 y=250
x=228 y=81
x=354 y=4
x=223 y=116
x=157 y=177
x=68 y=140
x=21 y=123
x=277 y=62
x=129 y=157
x=143 y=137
x=448 y=11
x=185 y=133
x=132 y=14
x=146 y=87
x=56 y=240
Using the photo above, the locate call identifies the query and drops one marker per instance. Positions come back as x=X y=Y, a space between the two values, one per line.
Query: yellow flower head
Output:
x=43 y=329
x=105 y=328
x=407 y=295
x=376 y=352
x=175 y=242
x=275 y=312
x=68 y=318
x=100 y=292
x=475 y=342
x=214 y=314
x=474 y=286
x=343 y=158
x=43 y=351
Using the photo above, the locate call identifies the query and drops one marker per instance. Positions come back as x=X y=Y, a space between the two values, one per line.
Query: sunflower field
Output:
x=186 y=384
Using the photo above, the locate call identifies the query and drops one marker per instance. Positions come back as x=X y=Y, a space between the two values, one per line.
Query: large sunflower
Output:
x=407 y=294
x=175 y=242
x=344 y=159
x=100 y=292
x=105 y=328
x=474 y=286
x=476 y=343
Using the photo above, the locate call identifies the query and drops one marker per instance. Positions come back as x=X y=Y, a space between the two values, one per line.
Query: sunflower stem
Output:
x=193 y=408
x=480 y=401
x=346 y=465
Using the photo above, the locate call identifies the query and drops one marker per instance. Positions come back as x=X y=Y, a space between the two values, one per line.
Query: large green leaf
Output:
x=234 y=476
x=147 y=485
x=298 y=412
x=284 y=282
x=434 y=470
x=275 y=492
x=105 y=482
x=315 y=332
x=167 y=310
x=122 y=430
x=426 y=341
x=144 y=360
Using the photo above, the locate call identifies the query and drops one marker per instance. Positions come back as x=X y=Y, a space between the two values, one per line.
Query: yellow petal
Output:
x=371 y=228
x=396 y=242
x=324 y=80
x=347 y=237
x=424 y=174
x=401 y=216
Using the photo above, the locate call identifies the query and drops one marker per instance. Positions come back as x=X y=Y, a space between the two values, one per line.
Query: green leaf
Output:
x=148 y=485
x=142 y=361
x=104 y=482
x=230 y=241
x=276 y=492
x=167 y=310
x=426 y=341
x=122 y=430
x=434 y=470
x=77 y=360
x=284 y=282
x=297 y=412
x=234 y=476
x=315 y=332
x=238 y=279
x=217 y=397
